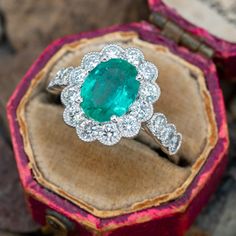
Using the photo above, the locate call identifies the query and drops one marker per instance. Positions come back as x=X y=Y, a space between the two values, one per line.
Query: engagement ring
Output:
x=111 y=95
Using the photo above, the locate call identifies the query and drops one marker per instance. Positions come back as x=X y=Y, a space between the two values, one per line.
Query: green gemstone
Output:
x=109 y=89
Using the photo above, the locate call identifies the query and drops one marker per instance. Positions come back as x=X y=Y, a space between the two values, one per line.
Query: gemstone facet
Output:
x=109 y=90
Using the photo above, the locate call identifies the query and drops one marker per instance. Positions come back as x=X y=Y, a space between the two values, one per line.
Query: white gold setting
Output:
x=165 y=133
x=110 y=132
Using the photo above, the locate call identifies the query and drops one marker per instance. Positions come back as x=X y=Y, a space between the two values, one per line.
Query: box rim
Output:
x=182 y=203
x=137 y=205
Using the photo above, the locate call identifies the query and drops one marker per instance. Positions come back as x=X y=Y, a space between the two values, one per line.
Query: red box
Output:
x=77 y=206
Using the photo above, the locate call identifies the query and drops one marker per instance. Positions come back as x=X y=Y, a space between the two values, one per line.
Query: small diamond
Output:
x=109 y=134
x=70 y=95
x=175 y=143
x=77 y=76
x=61 y=77
x=90 y=60
x=87 y=130
x=167 y=133
x=129 y=126
x=112 y=51
x=148 y=71
x=157 y=124
x=72 y=115
x=150 y=91
x=134 y=56
x=142 y=110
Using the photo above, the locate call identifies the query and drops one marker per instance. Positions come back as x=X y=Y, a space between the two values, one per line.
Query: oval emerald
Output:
x=109 y=89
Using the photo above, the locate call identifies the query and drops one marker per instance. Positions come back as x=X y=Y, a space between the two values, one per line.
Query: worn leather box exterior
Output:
x=172 y=218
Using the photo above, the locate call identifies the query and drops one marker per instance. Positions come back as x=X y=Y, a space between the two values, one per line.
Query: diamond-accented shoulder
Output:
x=61 y=78
x=165 y=132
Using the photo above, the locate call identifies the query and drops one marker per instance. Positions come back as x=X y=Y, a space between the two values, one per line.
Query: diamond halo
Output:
x=128 y=125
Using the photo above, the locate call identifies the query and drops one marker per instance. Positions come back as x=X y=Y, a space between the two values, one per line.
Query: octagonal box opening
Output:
x=106 y=188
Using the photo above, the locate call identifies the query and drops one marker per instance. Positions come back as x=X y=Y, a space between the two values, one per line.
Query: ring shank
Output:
x=174 y=157
x=163 y=133
x=55 y=89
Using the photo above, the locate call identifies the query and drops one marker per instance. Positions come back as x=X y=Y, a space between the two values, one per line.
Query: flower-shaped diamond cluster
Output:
x=127 y=125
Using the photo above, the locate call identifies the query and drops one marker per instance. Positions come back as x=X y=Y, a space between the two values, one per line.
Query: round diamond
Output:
x=157 y=124
x=70 y=95
x=90 y=60
x=129 y=126
x=142 y=110
x=112 y=51
x=87 y=130
x=61 y=77
x=72 y=115
x=175 y=143
x=77 y=76
x=167 y=133
x=148 y=71
x=151 y=92
x=109 y=134
x=134 y=56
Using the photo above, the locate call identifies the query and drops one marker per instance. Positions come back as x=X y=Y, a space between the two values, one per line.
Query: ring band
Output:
x=111 y=96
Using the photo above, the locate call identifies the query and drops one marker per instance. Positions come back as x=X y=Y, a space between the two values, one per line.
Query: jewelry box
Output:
x=131 y=188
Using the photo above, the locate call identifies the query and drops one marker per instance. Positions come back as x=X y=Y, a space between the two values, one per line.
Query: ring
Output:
x=111 y=95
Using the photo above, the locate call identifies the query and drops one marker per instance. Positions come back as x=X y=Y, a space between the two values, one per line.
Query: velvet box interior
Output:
x=107 y=189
